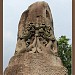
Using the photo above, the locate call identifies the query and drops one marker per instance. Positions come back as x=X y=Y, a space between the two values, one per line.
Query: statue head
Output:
x=35 y=22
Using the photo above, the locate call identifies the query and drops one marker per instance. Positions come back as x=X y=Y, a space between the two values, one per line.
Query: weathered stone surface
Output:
x=35 y=64
x=36 y=49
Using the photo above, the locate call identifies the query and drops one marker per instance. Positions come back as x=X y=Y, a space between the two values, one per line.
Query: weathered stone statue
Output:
x=36 y=49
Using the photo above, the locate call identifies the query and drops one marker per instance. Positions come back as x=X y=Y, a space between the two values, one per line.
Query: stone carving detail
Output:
x=42 y=34
x=36 y=32
x=36 y=50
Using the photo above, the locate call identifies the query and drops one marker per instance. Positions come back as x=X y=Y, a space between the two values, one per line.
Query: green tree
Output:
x=64 y=52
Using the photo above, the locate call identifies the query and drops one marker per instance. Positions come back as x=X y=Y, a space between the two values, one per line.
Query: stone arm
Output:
x=33 y=44
x=40 y=46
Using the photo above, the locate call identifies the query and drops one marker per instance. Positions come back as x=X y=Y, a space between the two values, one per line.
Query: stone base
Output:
x=35 y=64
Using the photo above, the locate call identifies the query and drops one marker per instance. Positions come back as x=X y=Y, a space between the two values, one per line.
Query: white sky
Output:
x=12 y=10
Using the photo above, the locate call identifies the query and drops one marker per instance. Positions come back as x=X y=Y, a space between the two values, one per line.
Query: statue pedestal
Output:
x=35 y=64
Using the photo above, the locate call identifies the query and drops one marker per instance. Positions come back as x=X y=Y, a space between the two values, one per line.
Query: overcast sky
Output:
x=12 y=10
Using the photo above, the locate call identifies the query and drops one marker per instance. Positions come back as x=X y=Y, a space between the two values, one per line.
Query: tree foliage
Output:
x=64 y=52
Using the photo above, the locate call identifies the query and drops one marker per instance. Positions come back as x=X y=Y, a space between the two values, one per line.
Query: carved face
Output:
x=38 y=13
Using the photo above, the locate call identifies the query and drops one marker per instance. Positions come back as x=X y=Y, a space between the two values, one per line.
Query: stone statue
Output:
x=36 y=50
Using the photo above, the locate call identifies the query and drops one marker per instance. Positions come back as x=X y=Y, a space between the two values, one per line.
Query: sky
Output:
x=12 y=10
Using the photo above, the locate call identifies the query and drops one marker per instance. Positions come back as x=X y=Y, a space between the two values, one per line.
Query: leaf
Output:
x=64 y=52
